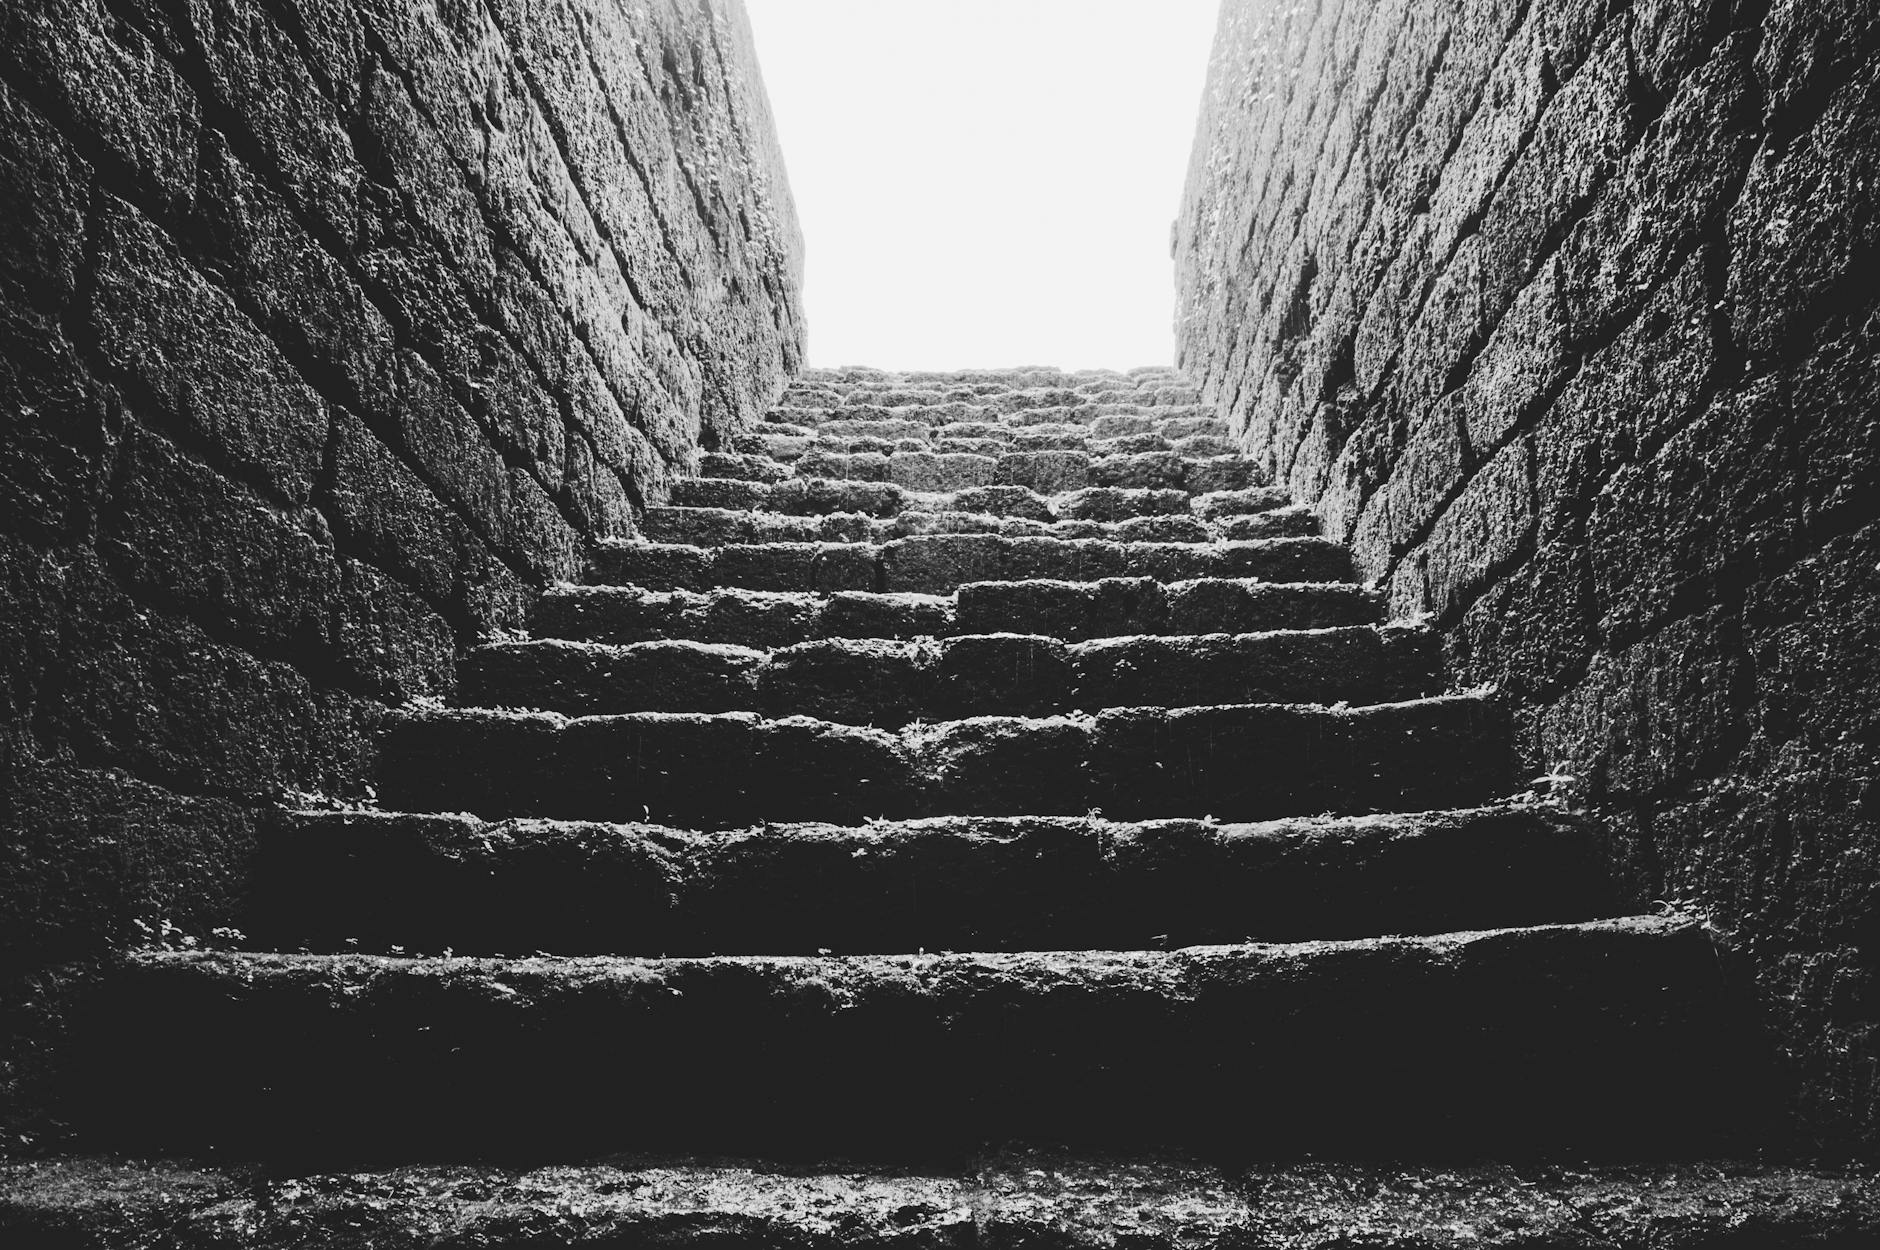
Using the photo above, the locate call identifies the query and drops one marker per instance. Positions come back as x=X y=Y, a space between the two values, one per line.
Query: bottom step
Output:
x=1005 y=1202
x=1609 y=1035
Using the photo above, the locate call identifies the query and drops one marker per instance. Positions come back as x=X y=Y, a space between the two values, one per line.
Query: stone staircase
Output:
x=960 y=759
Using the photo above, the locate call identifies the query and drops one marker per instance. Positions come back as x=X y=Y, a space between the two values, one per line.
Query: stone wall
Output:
x=329 y=330
x=1563 y=313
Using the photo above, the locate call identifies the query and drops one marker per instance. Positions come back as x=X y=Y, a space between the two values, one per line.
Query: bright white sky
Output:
x=986 y=182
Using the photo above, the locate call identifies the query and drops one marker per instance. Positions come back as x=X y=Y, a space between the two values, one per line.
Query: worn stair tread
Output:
x=940 y=563
x=375 y=881
x=791 y=435
x=1010 y=1198
x=713 y=527
x=1116 y=606
x=889 y=683
x=814 y=496
x=1070 y=610
x=912 y=467
x=1234 y=762
x=1557 y=1036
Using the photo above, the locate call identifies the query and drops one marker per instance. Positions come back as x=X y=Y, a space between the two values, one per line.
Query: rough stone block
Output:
x=1287 y=759
x=1115 y=503
x=847 y=614
x=1237 y=606
x=1482 y=530
x=58 y=434
x=187 y=345
x=1046 y=472
x=851 y=681
x=1001 y=766
x=812 y=770
x=587 y=679
x=383 y=511
x=1799 y=225
x=490 y=763
x=386 y=639
x=178 y=531
x=43 y=234
x=678 y=768
x=768 y=566
x=651 y=566
x=999 y=675
x=108 y=78
x=814 y=496
x=1159 y=470
x=1067 y=610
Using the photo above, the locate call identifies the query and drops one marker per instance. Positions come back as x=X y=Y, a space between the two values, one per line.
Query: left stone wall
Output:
x=329 y=330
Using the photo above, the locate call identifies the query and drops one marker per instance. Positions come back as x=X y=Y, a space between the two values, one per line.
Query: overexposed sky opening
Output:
x=986 y=182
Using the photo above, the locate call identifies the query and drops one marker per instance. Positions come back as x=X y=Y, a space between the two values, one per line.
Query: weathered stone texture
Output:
x=330 y=331
x=1559 y=314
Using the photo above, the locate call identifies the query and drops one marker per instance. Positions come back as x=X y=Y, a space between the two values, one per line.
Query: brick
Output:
x=1482 y=530
x=1268 y=760
x=178 y=532
x=848 y=680
x=152 y=693
x=257 y=74
x=298 y=293
x=1800 y=225
x=1649 y=717
x=58 y=430
x=207 y=366
x=1003 y=674
x=1669 y=194
x=587 y=679
x=999 y=766
x=46 y=187
x=105 y=77
x=386 y=639
x=382 y=510
x=1655 y=548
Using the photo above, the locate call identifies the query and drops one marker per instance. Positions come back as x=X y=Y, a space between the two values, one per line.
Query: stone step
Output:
x=940 y=563
x=890 y=683
x=393 y=881
x=787 y=433
x=1010 y=1198
x=718 y=527
x=1044 y=393
x=1068 y=610
x=1234 y=762
x=1610 y=1035
x=1046 y=472
x=794 y=444
x=799 y=496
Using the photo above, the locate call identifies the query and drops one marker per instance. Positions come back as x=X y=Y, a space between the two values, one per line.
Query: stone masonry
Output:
x=496 y=753
x=1561 y=314
x=959 y=759
x=331 y=332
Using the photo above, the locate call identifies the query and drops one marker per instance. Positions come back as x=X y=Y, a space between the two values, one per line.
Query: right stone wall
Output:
x=1563 y=313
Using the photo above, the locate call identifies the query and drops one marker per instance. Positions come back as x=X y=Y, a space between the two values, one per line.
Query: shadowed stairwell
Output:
x=988 y=761
x=497 y=753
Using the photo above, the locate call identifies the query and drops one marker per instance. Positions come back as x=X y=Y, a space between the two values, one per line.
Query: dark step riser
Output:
x=1071 y=611
x=427 y=884
x=941 y=565
x=1604 y=1038
x=890 y=685
x=725 y=771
